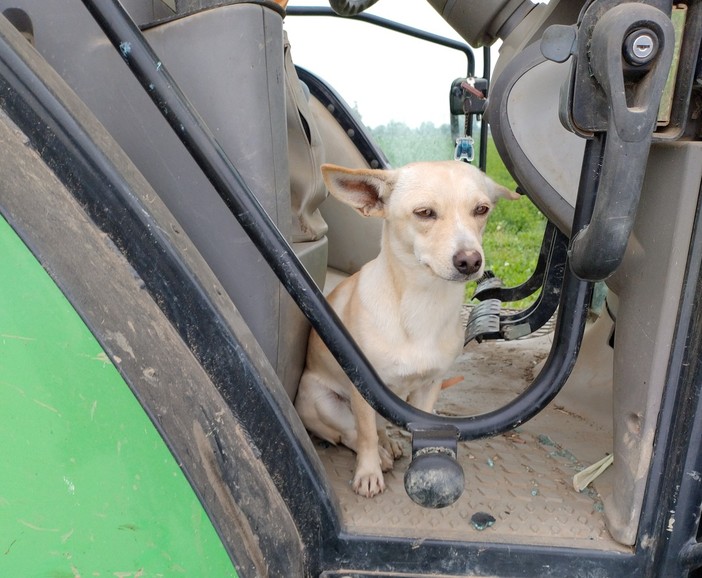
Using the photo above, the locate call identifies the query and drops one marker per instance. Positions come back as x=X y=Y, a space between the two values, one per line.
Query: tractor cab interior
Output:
x=558 y=415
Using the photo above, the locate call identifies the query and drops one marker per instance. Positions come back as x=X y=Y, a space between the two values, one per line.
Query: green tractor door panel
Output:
x=87 y=485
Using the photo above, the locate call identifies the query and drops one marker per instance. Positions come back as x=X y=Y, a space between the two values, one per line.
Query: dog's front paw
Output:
x=368 y=484
x=389 y=451
x=388 y=455
x=394 y=448
x=387 y=461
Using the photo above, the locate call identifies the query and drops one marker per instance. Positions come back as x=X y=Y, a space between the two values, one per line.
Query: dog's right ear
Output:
x=366 y=190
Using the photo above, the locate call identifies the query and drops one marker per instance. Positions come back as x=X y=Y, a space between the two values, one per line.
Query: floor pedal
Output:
x=487 y=284
x=484 y=321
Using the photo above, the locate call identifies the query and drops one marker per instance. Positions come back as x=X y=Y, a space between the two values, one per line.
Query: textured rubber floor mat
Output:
x=522 y=479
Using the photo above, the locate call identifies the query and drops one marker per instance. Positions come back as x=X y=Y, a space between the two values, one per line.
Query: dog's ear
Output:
x=496 y=192
x=366 y=190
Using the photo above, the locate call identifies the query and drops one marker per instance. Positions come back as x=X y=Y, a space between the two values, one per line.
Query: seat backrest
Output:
x=228 y=60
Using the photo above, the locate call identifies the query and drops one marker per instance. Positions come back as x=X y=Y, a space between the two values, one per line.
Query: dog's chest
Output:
x=409 y=356
x=411 y=333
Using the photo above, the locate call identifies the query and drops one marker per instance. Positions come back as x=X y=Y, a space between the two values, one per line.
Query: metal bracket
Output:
x=434 y=478
x=487 y=320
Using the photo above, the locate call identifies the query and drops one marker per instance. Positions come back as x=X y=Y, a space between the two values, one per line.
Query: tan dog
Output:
x=402 y=308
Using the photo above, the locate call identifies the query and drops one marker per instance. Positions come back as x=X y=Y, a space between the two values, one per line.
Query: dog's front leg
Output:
x=368 y=478
x=425 y=397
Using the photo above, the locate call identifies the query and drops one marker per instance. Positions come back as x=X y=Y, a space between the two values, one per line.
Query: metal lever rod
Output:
x=631 y=53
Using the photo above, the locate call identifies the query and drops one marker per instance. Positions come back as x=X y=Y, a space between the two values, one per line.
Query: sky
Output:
x=404 y=79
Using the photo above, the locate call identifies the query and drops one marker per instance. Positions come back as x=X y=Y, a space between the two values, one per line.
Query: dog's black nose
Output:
x=467 y=262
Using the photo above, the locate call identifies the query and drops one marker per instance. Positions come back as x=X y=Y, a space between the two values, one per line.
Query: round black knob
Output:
x=434 y=479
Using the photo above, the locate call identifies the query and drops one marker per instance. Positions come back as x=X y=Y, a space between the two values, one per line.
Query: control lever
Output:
x=631 y=50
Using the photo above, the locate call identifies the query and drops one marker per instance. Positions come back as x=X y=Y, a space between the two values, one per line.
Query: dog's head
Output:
x=435 y=212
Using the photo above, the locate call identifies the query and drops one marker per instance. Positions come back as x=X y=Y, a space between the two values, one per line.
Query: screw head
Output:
x=640 y=46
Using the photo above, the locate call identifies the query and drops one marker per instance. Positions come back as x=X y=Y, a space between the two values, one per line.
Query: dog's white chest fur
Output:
x=411 y=340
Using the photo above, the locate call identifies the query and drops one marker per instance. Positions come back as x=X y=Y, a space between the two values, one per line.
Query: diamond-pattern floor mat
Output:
x=522 y=479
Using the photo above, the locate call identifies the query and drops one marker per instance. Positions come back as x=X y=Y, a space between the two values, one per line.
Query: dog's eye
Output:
x=481 y=210
x=425 y=213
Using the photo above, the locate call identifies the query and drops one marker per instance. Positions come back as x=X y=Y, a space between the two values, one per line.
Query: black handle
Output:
x=633 y=44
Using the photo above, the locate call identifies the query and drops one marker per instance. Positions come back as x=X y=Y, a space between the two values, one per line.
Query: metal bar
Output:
x=547 y=300
x=422 y=35
x=390 y=25
x=487 y=67
x=529 y=286
x=366 y=556
x=691 y=556
x=201 y=144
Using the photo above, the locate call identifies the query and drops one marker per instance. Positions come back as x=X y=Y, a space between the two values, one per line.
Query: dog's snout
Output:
x=467 y=262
